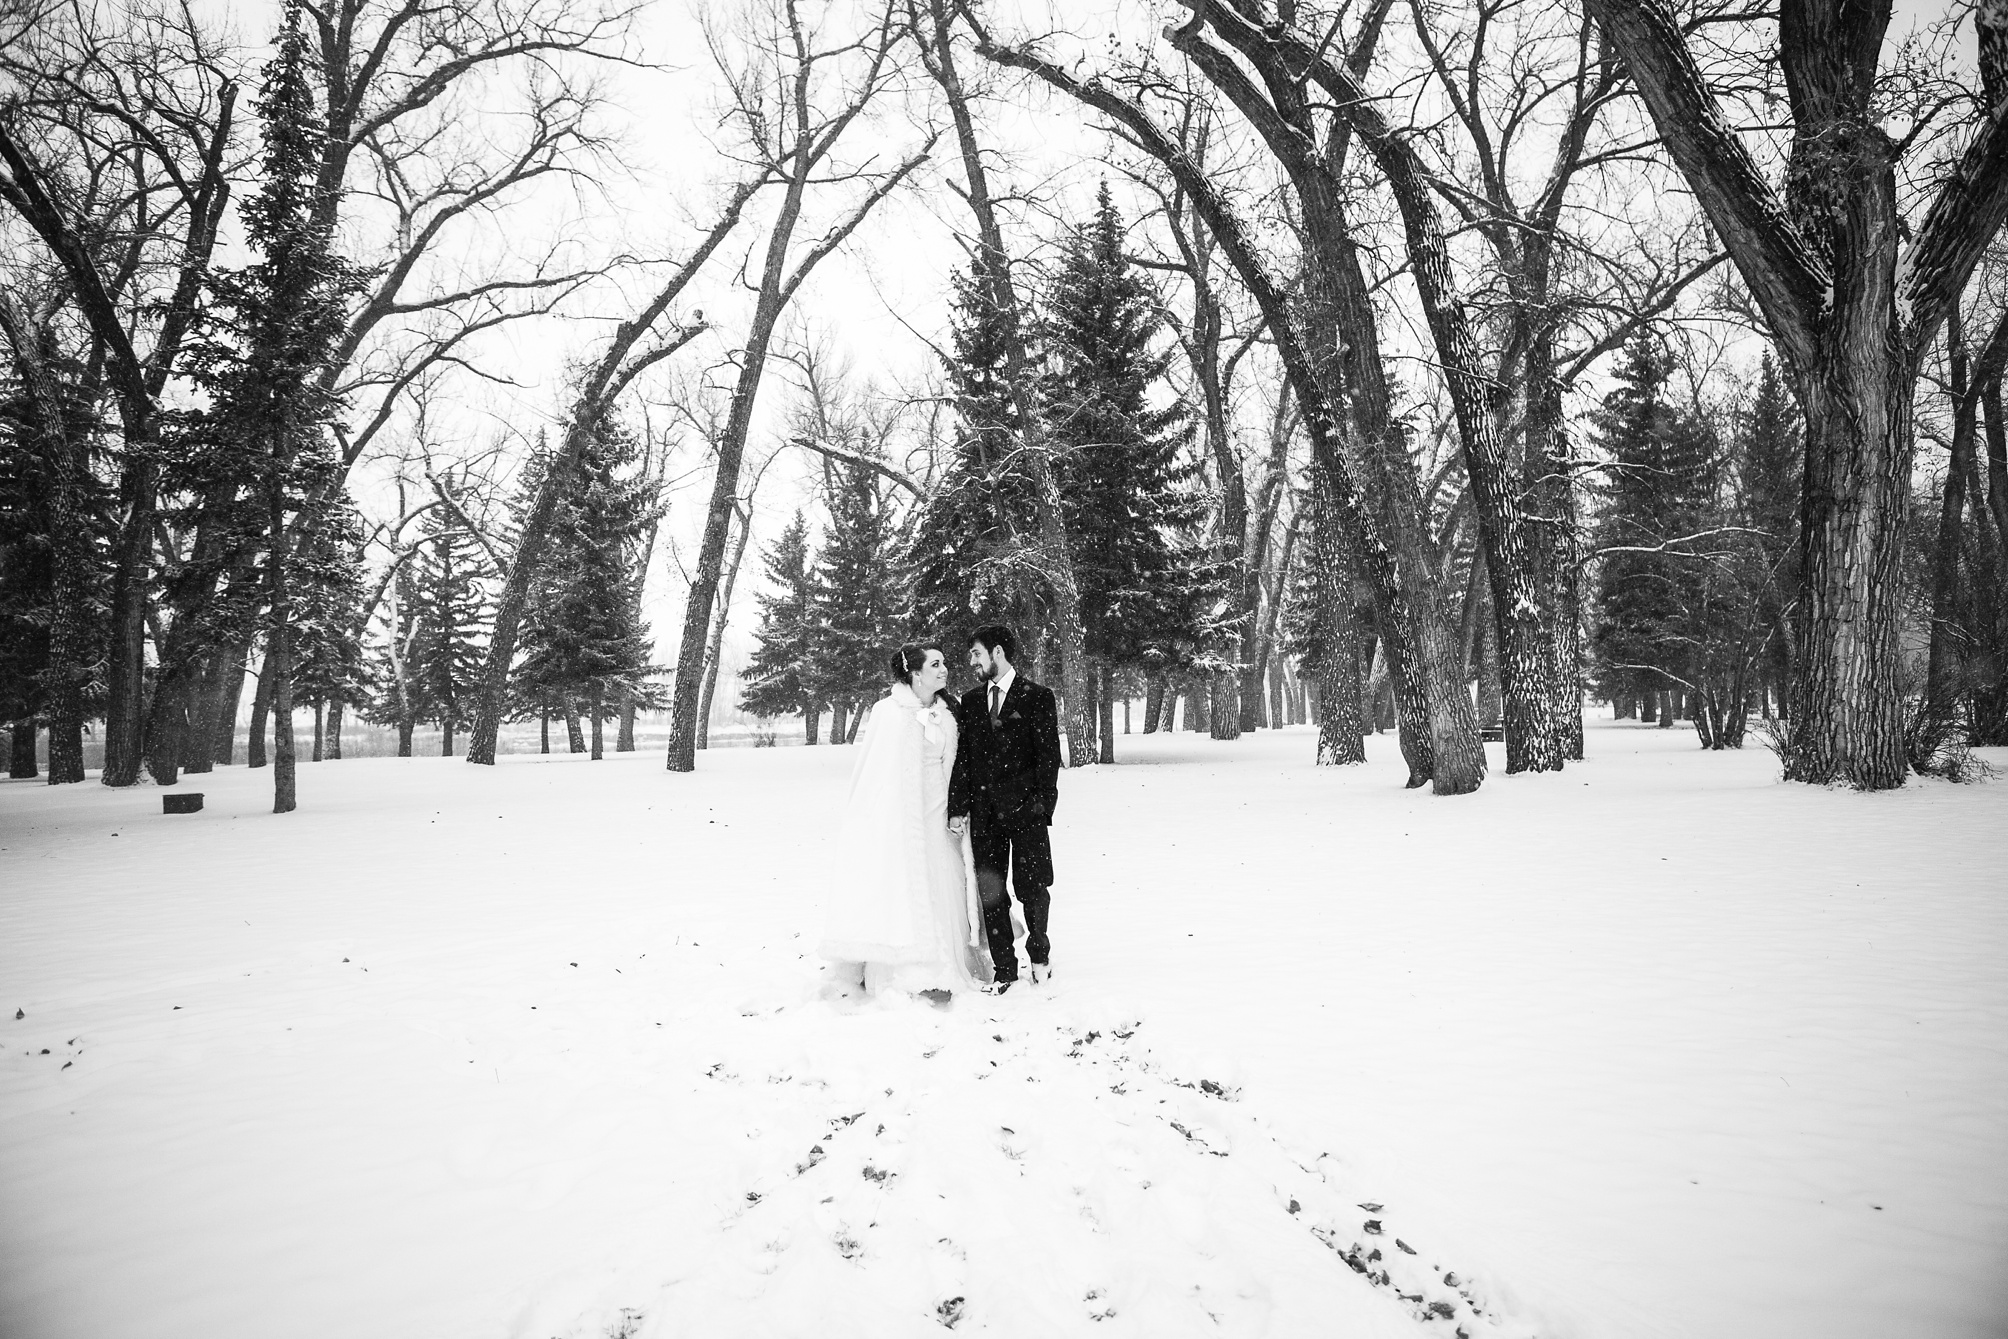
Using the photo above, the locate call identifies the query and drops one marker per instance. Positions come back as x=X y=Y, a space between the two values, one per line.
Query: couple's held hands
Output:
x=958 y=826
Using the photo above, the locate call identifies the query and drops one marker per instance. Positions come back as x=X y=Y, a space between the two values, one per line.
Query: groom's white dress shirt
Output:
x=999 y=690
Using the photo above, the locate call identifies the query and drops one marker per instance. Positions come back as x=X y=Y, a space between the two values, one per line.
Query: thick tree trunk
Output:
x=598 y=712
x=812 y=720
x=544 y=731
x=575 y=735
x=1223 y=705
x=1341 y=716
x=1153 y=703
x=1848 y=707
x=1198 y=704
x=405 y=725
x=624 y=740
x=1851 y=321
x=320 y=729
x=337 y=713
x=167 y=715
x=1491 y=693
x=21 y=764
x=446 y=724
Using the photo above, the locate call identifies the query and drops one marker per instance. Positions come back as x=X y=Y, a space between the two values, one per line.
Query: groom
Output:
x=1005 y=784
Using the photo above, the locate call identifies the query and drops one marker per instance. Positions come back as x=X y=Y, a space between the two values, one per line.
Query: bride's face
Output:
x=931 y=677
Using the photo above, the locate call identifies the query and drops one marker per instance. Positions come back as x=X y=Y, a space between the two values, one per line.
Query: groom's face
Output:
x=982 y=662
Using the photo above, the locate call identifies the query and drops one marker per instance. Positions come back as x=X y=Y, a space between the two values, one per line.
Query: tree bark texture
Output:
x=1852 y=319
x=1341 y=716
x=1455 y=768
x=1286 y=63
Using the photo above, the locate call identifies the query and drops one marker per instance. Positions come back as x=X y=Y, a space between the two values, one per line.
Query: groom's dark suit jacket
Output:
x=1010 y=771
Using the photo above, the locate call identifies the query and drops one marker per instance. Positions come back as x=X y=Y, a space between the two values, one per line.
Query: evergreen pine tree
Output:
x=1632 y=602
x=1123 y=466
x=1671 y=604
x=776 y=681
x=970 y=559
x=859 y=612
x=286 y=313
x=1126 y=479
x=583 y=639
x=450 y=617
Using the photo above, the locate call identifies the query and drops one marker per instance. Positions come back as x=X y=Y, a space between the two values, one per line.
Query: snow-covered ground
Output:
x=1659 y=1046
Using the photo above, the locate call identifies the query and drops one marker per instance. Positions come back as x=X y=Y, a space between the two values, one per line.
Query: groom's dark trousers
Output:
x=1007 y=780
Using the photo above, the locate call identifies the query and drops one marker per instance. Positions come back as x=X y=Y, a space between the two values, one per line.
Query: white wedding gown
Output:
x=901 y=889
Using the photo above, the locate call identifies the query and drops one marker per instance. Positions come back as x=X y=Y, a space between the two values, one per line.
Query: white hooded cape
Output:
x=898 y=891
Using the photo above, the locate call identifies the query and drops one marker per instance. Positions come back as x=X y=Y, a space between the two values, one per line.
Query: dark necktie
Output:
x=996 y=703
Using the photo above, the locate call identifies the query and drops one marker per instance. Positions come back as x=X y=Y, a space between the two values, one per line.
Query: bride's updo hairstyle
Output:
x=910 y=659
x=907 y=662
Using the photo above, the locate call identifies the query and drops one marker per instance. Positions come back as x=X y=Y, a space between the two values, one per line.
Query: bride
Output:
x=899 y=897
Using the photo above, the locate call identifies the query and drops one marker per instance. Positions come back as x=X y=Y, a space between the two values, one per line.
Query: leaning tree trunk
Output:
x=599 y=388
x=1458 y=766
x=261 y=710
x=715 y=649
x=1516 y=597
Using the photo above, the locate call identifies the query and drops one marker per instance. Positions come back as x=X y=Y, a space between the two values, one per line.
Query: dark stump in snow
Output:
x=186 y=803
